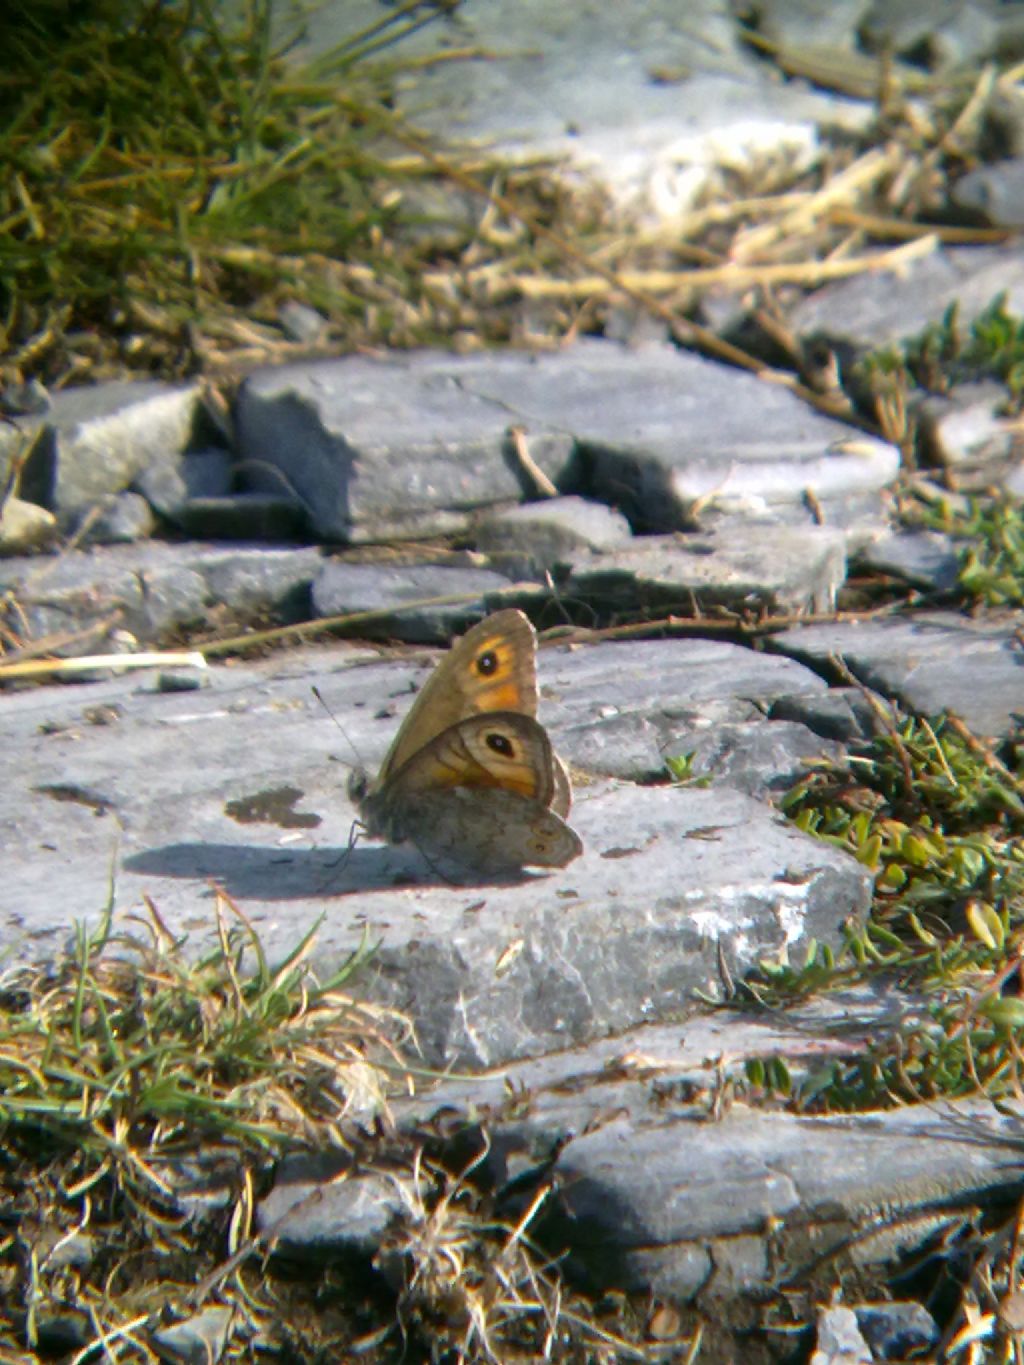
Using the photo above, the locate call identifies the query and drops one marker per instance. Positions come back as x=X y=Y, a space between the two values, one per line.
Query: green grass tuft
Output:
x=939 y=817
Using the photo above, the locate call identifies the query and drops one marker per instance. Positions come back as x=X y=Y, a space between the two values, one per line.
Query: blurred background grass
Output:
x=168 y=178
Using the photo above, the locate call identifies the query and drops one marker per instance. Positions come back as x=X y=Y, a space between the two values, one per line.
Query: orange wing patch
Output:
x=495 y=668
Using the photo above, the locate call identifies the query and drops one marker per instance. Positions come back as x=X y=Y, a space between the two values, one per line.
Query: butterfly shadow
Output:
x=271 y=874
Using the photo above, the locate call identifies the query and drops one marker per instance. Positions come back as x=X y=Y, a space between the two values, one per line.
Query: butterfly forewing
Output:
x=492 y=668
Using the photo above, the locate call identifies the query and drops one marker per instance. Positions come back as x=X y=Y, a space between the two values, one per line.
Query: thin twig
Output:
x=117 y=663
x=520 y=444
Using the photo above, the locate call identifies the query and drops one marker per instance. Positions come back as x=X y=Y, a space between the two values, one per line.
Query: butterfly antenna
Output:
x=348 y=740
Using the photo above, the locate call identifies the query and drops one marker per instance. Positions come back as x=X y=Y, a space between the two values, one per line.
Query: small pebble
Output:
x=181 y=682
x=104 y=714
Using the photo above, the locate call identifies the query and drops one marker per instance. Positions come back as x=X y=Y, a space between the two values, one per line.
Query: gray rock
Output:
x=631 y=746
x=620 y=710
x=153 y=590
x=381 y=449
x=342 y=588
x=199 y=1340
x=754 y=757
x=207 y=473
x=941 y=35
x=664 y=435
x=124 y=519
x=927 y=559
x=643 y=97
x=780 y=568
x=760 y=758
x=714 y=717
x=934 y=661
x=1014 y=482
x=203 y=1184
x=173 y=598
x=25 y=526
x=93 y=442
x=535 y=536
x=875 y=309
x=841 y=714
x=969 y=432
x=997 y=191
x=57 y=1249
x=436 y=213
x=168 y=484
x=163 y=486
x=632 y=1066
x=676 y=1206
x=85 y=594
x=319 y=1202
x=180 y=682
x=411 y=447
x=243 y=516
x=262 y=582
x=22 y=398
x=300 y=322
x=897 y=1331
x=808 y=23
x=839 y=1339
x=634 y=326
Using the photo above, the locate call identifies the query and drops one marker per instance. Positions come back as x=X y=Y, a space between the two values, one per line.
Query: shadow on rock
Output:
x=284 y=874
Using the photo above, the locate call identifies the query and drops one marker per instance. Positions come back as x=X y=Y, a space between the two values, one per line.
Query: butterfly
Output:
x=471 y=775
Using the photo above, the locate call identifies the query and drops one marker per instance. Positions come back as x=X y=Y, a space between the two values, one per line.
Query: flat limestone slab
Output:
x=685 y=1205
x=415 y=444
x=115 y=792
x=933 y=661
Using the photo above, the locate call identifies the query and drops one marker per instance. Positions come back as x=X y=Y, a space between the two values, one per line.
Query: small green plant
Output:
x=936 y=359
x=944 y=353
x=680 y=769
x=992 y=566
x=996 y=347
x=990 y=536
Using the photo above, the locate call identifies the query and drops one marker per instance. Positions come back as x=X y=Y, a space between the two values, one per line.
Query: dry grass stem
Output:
x=734 y=277
x=861 y=177
x=116 y=663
